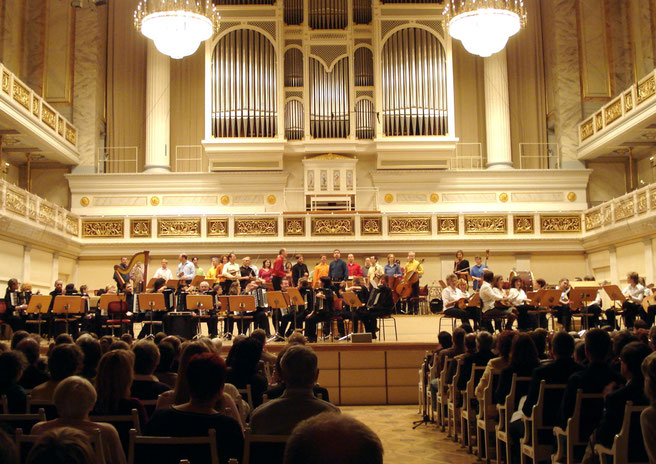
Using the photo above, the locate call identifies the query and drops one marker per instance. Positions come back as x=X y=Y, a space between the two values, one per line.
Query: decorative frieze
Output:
x=333 y=226
x=102 y=228
x=178 y=227
x=586 y=129
x=652 y=198
x=22 y=95
x=564 y=224
x=593 y=220
x=256 y=226
x=613 y=111
x=606 y=215
x=486 y=224
x=418 y=225
x=628 y=102
x=371 y=225
x=49 y=117
x=71 y=134
x=46 y=215
x=447 y=224
x=599 y=121
x=140 y=228
x=624 y=209
x=217 y=227
x=523 y=224
x=15 y=202
x=646 y=89
x=294 y=226
x=31 y=208
x=6 y=84
x=642 y=202
x=72 y=225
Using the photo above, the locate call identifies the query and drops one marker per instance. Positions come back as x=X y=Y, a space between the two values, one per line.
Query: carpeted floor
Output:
x=402 y=444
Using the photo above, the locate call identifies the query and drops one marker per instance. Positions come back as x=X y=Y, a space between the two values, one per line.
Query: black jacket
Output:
x=553 y=373
x=611 y=422
x=481 y=358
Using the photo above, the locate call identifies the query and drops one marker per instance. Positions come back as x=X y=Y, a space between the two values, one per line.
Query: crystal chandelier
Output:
x=177 y=26
x=484 y=26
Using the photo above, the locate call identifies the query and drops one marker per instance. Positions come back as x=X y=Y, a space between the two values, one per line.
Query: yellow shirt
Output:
x=320 y=270
x=413 y=265
x=212 y=272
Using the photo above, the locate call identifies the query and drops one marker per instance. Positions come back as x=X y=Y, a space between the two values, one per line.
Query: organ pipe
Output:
x=364 y=119
x=293 y=12
x=328 y=14
x=362 y=11
x=293 y=68
x=363 y=66
x=329 y=100
x=294 y=122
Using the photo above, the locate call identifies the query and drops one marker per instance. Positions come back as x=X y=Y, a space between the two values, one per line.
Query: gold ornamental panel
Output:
x=178 y=227
x=16 y=202
x=140 y=228
x=593 y=220
x=36 y=110
x=22 y=95
x=652 y=198
x=371 y=225
x=71 y=134
x=217 y=227
x=486 y=224
x=599 y=122
x=49 y=117
x=606 y=215
x=642 y=202
x=646 y=89
x=613 y=111
x=333 y=226
x=447 y=224
x=256 y=226
x=5 y=81
x=524 y=224
x=31 y=208
x=419 y=225
x=294 y=226
x=587 y=129
x=102 y=228
x=60 y=126
x=628 y=102
x=566 y=224
x=46 y=215
x=72 y=225
x=624 y=209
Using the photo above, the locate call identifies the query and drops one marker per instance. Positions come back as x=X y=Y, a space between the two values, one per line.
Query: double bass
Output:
x=403 y=288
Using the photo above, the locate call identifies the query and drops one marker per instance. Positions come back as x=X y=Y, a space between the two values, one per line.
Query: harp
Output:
x=137 y=271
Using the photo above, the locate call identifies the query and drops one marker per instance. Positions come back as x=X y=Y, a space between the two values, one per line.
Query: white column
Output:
x=649 y=261
x=54 y=274
x=158 y=111
x=497 y=112
x=26 y=263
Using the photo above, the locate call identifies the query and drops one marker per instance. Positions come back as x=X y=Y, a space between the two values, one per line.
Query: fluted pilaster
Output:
x=158 y=111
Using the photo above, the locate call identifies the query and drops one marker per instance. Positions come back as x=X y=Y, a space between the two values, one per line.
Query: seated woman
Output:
x=74 y=398
x=205 y=377
x=12 y=364
x=63 y=445
x=64 y=361
x=517 y=297
x=243 y=369
x=15 y=307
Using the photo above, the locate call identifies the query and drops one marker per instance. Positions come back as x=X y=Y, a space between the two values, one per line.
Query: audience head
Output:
x=114 y=379
x=189 y=350
x=313 y=441
x=166 y=357
x=173 y=340
x=579 y=353
x=119 y=345
x=206 y=374
x=470 y=343
x=562 y=345
x=505 y=343
x=92 y=351
x=127 y=338
x=484 y=340
x=621 y=339
x=459 y=338
x=260 y=336
x=445 y=340
x=30 y=348
x=299 y=367
x=597 y=345
x=17 y=337
x=146 y=357
x=523 y=352
x=246 y=356
x=63 y=339
x=649 y=373
x=12 y=364
x=539 y=337
x=63 y=445
x=632 y=357
x=64 y=361
x=74 y=398
x=297 y=338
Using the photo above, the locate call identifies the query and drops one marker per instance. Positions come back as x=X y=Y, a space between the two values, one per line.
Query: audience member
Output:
x=74 y=399
x=62 y=446
x=648 y=416
x=63 y=339
x=92 y=353
x=12 y=365
x=523 y=359
x=145 y=385
x=8 y=451
x=17 y=337
x=64 y=361
x=243 y=369
x=33 y=374
x=164 y=371
x=496 y=365
x=277 y=389
x=260 y=336
x=540 y=337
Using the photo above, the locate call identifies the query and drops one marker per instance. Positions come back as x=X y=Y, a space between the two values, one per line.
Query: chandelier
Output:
x=177 y=26
x=484 y=26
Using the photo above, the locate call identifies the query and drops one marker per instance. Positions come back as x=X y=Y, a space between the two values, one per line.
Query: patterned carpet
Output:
x=402 y=444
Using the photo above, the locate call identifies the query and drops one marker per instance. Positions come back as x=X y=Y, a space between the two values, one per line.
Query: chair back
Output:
x=117 y=309
x=247 y=394
x=487 y=396
x=453 y=382
x=629 y=443
x=171 y=450
x=48 y=406
x=11 y=422
x=264 y=449
x=25 y=443
x=123 y=424
x=338 y=304
x=546 y=412
x=588 y=410
x=150 y=405
x=470 y=397
x=512 y=400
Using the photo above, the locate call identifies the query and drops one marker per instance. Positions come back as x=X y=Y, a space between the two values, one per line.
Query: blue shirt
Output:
x=392 y=271
x=477 y=271
x=338 y=270
x=188 y=270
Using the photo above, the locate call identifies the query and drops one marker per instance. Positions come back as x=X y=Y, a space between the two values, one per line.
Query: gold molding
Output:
x=178 y=227
x=566 y=224
x=628 y=101
x=256 y=226
x=624 y=209
x=503 y=197
x=6 y=84
x=332 y=226
x=593 y=220
x=613 y=111
x=48 y=116
x=46 y=215
x=524 y=224
x=102 y=228
x=271 y=199
x=84 y=201
x=60 y=126
x=71 y=134
x=646 y=89
x=140 y=228
x=72 y=225
x=217 y=227
x=599 y=121
x=571 y=196
x=36 y=109
x=652 y=198
x=486 y=224
x=154 y=201
x=642 y=202
x=434 y=198
x=416 y=225
x=69 y=46
x=371 y=225
x=294 y=226
x=586 y=129
x=15 y=202
x=225 y=200
x=22 y=95
x=389 y=198
x=447 y=224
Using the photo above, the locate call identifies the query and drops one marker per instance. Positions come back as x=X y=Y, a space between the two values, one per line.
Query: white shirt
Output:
x=162 y=273
x=635 y=293
x=517 y=296
x=489 y=296
x=187 y=269
x=231 y=271
x=450 y=295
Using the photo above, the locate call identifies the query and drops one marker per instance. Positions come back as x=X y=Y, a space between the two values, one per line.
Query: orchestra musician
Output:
x=186 y=269
x=452 y=296
x=518 y=298
x=287 y=324
x=266 y=271
x=632 y=306
x=15 y=308
x=494 y=302
x=367 y=265
x=392 y=269
x=413 y=265
x=354 y=269
x=159 y=286
x=322 y=310
x=279 y=272
x=460 y=265
x=229 y=322
x=260 y=319
x=230 y=273
x=299 y=270
x=338 y=270
x=320 y=270
x=474 y=312
x=211 y=320
x=379 y=304
x=164 y=272
x=246 y=272
x=124 y=275
x=376 y=271
x=359 y=287
x=214 y=269
x=198 y=270
x=593 y=310
x=476 y=272
x=563 y=310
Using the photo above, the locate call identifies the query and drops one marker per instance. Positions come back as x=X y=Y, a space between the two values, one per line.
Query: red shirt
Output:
x=354 y=270
x=279 y=267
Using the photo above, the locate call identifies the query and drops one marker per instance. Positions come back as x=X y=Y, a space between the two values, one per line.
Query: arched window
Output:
x=329 y=100
x=294 y=122
x=414 y=83
x=293 y=68
x=244 y=86
x=364 y=119
x=364 y=67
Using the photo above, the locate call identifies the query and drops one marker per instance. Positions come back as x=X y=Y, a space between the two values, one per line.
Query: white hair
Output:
x=74 y=397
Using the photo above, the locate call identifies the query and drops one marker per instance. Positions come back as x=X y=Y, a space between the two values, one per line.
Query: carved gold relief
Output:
x=550 y=224
x=140 y=228
x=46 y=214
x=646 y=89
x=503 y=197
x=409 y=225
x=15 y=202
x=256 y=226
x=486 y=224
x=178 y=227
x=154 y=201
x=5 y=81
x=571 y=196
x=72 y=225
x=271 y=199
x=652 y=198
x=587 y=129
x=60 y=126
x=628 y=102
x=31 y=209
x=389 y=198
x=642 y=202
x=102 y=228
x=624 y=209
x=606 y=215
x=217 y=227
x=613 y=111
x=225 y=199
x=599 y=122
x=294 y=226
x=84 y=201
x=71 y=134
x=434 y=198
x=371 y=226
x=49 y=117
x=36 y=111
x=333 y=226
x=447 y=225
x=593 y=220
x=523 y=224
x=22 y=95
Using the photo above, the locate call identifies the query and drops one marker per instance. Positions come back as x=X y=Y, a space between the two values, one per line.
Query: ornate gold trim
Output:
x=571 y=196
x=613 y=111
x=524 y=224
x=72 y=225
x=646 y=89
x=178 y=227
x=599 y=121
x=625 y=209
x=642 y=202
x=154 y=201
x=628 y=102
x=447 y=224
x=271 y=199
x=36 y=110
x=6 y=83
x=256 y=226
x=71 y=134
x=294 y=226
x=16 y=202
x=332 y=226
x=503 y=197
x=22 y=95
x=217 y=227
x=371 y=225
x=652 y=198
x=60 y=126
x=46 y=215
x=225 y=200
x=417 y=225
x=102 y=228
x=434 y=198
x=564 y=224
x=49 y=117
x=389 y=198
x=586 y=129
x=140 y=228
x=593 y=220
x=84 y=201
x=486 y=224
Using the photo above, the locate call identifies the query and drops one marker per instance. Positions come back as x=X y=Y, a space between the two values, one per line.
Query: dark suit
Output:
x=611 y=422
x=479 y=359
x=298 y=271
x=553 y=373
x=505 y=383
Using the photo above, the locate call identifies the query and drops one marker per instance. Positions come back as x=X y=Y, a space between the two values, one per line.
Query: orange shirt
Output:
x=320 y=270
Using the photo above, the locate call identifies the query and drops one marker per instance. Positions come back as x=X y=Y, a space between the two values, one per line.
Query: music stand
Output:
x=293 y=298
x=351 y=299
x=579 y=297
x=39 y=304
x=242 y=304
x=105 y=299
x=276 y=300
x=615 y=294
x=196 y=281
x=154 y=302
x=199 y=303
x=151 y=283
x=173 y=283
x=67 y=305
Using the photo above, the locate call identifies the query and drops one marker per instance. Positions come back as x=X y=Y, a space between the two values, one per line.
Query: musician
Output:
x=214 y=269
x=199 y=270
x=299 y=270
x=452 y=299
x=460 y=265
x=632 y=306
x=322 y=310
x=379 y=304
x=246 y=272
x=320 y=270
x=367 y=265
x=411 y=266
x=354 y=269
x=338 y=270
x=257 y=288
x=266 y=271
x=392 y=269
x=593 y=310
x=476 y=272
x=493 y=300
x=59 y=290
x=359 y=287
x=159 y=286
x=376 y=271
x=164 y=272
x=518 y=298
x=13 y=315
x=230 y=273
x=541 y=284
x=279 y=269
x=186 y=269
x=563 y=310
x=212 y=320
x=123 y=275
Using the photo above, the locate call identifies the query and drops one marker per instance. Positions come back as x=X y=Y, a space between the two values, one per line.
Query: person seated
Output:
x=113 y=382
x=294 y=319
x=92 y=352
x=8 y=449
x=243 y=367
x=33 y=374
x=277 y=388
x=145 y=385
x=648 y=416
x=17 y=337
x=14 y=307
x=379 y=304
x=298 y=402
x=205 y=376
x=518 y=298
x=452 y=298
x=314 y=441
x=165 y=372
x=64 y=445
x=12 y=364
x=444 y=341
x=495 y=366
x=493 y=302
x=632 y=357
x=322 y=310
x=470 y=350
x=481 y=357
x=265 y=357
x=455 y=350
x=74 y=399
x=64 y=361
x=523 y=359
